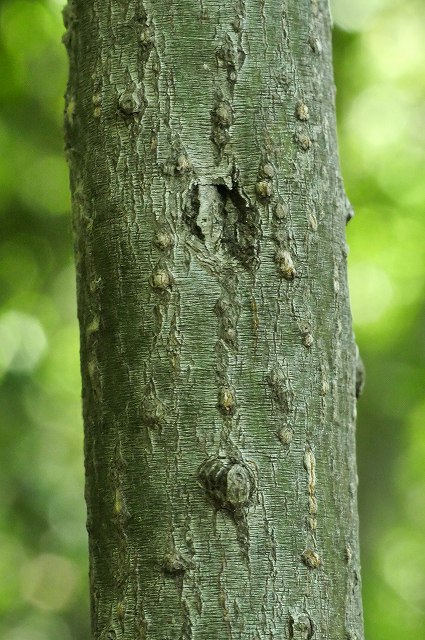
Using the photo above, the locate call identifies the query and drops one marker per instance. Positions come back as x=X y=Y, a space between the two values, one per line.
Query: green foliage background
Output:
x=379 y=62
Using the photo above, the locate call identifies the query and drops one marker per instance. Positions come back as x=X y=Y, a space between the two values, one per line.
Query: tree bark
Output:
x=217 y=354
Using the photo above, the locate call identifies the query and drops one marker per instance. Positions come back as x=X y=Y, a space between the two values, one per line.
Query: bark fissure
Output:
x=223 y=219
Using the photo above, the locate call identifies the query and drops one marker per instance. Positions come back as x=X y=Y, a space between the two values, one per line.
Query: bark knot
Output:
x=230 y=483
x=131 y=101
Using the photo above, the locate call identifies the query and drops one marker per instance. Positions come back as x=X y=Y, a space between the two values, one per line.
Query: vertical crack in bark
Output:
x=222 y=218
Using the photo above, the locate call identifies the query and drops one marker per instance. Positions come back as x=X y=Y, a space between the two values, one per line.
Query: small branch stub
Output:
x=286 y=265
x=308 y=340
x=264 y=189
x=264 y=186
x=285 y=436
x=280 y=212
x=130 y=102
x=163 y=240
x=302 y=111
x=175 y=564
x=161 y=279
x=267 y=171
x=221 y=120
x=227 y=401
x=230 y=483
x=222 y=115
x=279 y=387
x=311 y=559
x=303 y=140
x=183 y=164
x=300 y=626
x=315 y=44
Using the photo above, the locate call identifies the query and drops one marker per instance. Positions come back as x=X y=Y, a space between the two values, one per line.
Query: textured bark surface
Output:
x=218 y=361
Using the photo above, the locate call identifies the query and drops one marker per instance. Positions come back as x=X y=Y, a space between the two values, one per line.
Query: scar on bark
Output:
x=301 y=626
x=175 y=563
x=223 y=217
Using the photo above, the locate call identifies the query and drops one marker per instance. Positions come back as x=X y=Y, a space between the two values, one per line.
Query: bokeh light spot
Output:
x=48 y=582
x=403 y=565
x=25 y=25
x=380 y=113
x=22 y=342
x=45 y=185
x=355 y=16
x=371 y=292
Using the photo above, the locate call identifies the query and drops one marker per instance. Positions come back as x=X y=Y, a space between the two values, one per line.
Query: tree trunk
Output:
x=218 y=359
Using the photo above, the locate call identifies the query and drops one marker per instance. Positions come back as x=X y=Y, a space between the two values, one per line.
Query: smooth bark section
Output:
x=218 y=361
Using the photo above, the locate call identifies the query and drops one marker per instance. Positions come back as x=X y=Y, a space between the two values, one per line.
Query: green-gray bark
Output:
x=218 y=360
